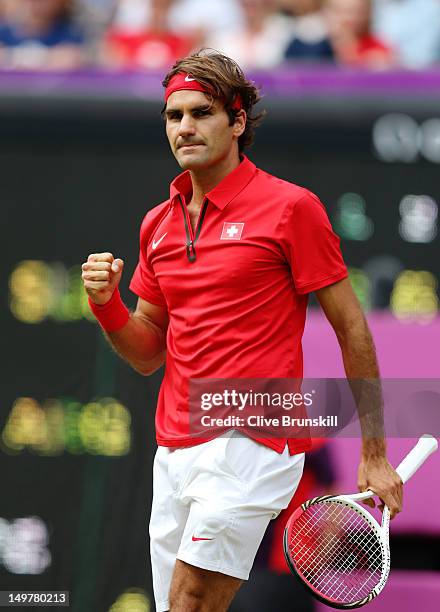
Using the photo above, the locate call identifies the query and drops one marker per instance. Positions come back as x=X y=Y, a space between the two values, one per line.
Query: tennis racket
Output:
x=338 y=549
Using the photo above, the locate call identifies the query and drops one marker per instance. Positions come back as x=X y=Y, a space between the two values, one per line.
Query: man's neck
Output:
x=205 y=180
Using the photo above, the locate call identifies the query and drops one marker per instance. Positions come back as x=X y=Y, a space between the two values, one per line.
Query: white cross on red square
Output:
x=232 y=231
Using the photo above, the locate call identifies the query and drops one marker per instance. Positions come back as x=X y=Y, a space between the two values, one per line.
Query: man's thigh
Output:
x=233 y=494
x=194 y=589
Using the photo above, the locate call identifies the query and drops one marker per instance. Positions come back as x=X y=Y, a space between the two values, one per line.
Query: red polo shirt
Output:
x=236 y=289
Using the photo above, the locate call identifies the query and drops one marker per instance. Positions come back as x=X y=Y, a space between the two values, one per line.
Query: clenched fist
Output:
x=101 y=275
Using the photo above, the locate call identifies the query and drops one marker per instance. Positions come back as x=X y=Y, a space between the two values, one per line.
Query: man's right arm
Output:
x=141 y=340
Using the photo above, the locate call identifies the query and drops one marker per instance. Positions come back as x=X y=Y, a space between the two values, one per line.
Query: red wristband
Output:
x=112 y=315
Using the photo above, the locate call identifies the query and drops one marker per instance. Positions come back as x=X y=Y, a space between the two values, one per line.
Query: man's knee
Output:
x=189 y=598
x=195 y=589
x=189 y=591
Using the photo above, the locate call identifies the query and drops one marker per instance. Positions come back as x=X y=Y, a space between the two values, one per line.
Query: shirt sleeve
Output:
x=144 y=282
x=311 y=246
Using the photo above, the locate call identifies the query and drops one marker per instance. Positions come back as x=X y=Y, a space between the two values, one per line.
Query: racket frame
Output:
x=382 y=532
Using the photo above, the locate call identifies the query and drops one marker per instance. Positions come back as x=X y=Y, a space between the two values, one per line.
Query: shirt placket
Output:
x=192 y=237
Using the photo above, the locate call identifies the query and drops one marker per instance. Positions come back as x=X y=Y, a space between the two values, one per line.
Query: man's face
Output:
x=198 y=130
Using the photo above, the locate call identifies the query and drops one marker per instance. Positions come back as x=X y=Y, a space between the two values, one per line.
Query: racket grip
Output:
x=426 y=445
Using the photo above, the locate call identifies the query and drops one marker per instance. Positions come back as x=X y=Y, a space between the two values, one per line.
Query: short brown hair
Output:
x=224 y=77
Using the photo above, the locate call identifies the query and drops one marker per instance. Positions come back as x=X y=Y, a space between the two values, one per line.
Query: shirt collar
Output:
x=222 y=193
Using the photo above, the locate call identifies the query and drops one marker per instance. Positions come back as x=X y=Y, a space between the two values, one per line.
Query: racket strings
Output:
x=337 y=551
x=345 y=555
x=342 y=555
x=343 y=552
x=345 y=560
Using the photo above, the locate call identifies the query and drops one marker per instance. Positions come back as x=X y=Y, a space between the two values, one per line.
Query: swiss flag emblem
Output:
x=232 y=231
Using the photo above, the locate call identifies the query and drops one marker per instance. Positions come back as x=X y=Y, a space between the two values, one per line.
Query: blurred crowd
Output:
x=259 y=34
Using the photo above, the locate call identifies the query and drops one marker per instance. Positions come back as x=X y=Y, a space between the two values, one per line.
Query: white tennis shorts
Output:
x=212 y=504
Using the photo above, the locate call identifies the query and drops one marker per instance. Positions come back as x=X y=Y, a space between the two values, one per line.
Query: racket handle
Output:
x=426 y=445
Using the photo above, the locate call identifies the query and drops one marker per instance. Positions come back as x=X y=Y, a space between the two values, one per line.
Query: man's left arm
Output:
x=345 y=315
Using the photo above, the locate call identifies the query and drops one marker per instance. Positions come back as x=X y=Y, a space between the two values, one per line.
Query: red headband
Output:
x=181 y=80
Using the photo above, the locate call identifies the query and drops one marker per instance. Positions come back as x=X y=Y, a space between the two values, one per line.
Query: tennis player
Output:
x=225 y=268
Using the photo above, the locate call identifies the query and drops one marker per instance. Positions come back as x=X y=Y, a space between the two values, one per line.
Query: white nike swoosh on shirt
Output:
x=156 y=244
x=188 y=79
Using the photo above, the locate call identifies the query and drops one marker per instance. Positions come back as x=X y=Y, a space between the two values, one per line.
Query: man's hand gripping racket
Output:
x=338 y=549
